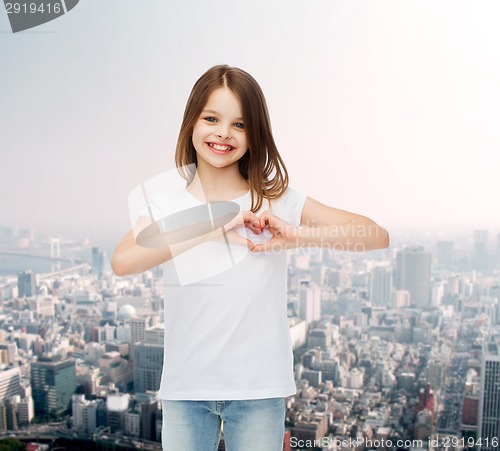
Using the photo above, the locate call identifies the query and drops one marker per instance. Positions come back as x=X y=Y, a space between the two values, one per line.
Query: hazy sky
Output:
x=386 y=108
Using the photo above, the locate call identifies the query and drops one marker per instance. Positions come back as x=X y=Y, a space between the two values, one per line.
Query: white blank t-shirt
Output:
x=226 y=327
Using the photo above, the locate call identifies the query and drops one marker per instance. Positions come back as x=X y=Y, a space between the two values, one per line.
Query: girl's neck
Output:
x=211 y=184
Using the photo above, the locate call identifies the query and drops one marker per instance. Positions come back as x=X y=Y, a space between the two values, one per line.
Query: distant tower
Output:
x=148 y=365
x=498 y=251
x=53 y=382
x=489 y=397
x=426 y=401
x=445 y=254
x=413 y=273
x=381 y=285
x=149 y=406
x=26 y=284
x=97 y=262
x=309 y=303
x=10 y=383
x=55 y=253
x=138 y=326
x=480 y=251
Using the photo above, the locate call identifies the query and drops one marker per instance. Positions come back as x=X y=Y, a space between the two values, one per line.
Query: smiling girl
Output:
x=228 y=354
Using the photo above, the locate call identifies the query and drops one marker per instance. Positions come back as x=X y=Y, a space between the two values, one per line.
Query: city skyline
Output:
x=388 y=109
x=14 y=243
x=397 y=124
x=386 y=343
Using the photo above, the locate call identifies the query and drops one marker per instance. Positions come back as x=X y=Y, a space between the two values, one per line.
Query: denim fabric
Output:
x=248 y=425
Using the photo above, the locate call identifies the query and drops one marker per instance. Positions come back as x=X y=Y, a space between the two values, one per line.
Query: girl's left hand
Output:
x=285 y=235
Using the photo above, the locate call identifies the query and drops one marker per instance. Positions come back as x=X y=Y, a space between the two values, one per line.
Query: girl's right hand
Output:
x=132 y=257
x=246 y=219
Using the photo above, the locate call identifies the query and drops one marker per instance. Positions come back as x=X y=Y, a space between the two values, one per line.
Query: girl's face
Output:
x=219 y=133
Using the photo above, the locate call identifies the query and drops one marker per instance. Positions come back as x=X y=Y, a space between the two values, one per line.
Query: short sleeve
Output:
x=155 y=208
x=289 y=206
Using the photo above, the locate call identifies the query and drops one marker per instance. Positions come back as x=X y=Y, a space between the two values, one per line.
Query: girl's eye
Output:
x=210 y=119
x=239 y=125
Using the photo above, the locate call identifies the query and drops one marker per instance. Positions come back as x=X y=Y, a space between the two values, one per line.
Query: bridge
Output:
x=43 y=257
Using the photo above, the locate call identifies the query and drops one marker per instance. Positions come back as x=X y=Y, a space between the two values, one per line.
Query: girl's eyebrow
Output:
x=218 y=114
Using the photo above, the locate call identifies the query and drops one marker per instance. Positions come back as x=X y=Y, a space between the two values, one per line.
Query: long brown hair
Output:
x=261 y=165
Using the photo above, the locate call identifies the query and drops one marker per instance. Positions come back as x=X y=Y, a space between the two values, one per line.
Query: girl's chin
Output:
x=215 y=161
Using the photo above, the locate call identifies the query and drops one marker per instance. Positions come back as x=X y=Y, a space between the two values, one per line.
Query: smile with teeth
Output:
x=220 y=148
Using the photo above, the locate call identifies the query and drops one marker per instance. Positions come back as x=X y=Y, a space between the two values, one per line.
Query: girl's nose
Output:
x=223 y=134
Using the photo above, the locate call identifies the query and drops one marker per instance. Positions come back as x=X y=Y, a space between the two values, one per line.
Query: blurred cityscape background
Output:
x=388 y=108
x=398 y=346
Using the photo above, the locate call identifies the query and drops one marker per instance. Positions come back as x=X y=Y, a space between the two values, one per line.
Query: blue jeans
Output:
x=248 y=425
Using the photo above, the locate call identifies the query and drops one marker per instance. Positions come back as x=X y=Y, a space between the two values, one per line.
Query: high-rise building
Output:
x=498 y=252
x=8 y=353
x=311 y=428
x=133 y=422
x=158 y=424
x=437 y=291
x=155 y=334
x=413 y=273
x=423 y=425
x=470 y=410
x=44 y=306
x=494 y=292
x=25 y=410
x=138 y=326
x=445 y=254
x=381 y=285
x=435 y=373
x=400 y=299
x=309 y=303
x=148 y=365
x=117 y=404
x=115 y=369
x=53 y=382
x=489 y=397
x=3 y=418
x=97 y=262
x=10 y=383
x=26 y=284
x=426 y=401
x=480 y=257
x=11 y=413
x=88 y=379
x=149 y=405
x=84 y=413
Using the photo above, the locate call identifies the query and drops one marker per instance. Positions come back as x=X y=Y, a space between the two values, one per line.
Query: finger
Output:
x=242 y=218
x=250 y=245
x=251 y=221
x=278 y=226
x=256 y=227
x=242 y=241
x=249 y=215
x=235 y=238
x=254 y=222
x=266 y=217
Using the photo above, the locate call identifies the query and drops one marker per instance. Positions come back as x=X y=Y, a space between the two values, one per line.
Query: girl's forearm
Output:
x=358 y=236
x=130 y=257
